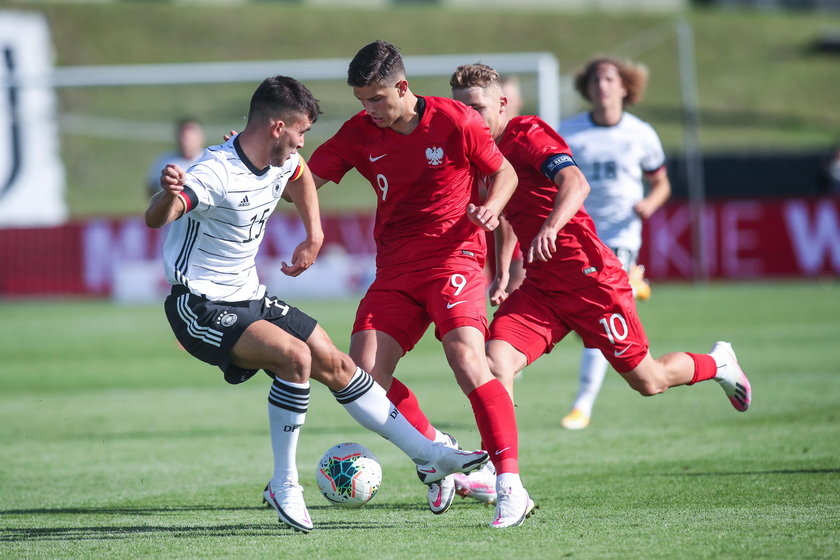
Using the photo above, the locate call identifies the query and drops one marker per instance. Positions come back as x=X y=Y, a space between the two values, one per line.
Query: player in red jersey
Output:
x=422 y=156
x=573 y=282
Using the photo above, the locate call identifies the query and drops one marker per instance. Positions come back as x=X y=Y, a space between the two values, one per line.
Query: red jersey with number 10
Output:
x=423 y=180
x=581 y=258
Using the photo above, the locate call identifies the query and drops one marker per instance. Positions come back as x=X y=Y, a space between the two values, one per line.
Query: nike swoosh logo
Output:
x=500 y=451
x=621 y=352
x=428 y=471
x=451 y=305
x=372 y=159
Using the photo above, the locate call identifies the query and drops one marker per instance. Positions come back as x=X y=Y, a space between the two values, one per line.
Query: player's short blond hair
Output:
x=634 y=77
x=475 y=75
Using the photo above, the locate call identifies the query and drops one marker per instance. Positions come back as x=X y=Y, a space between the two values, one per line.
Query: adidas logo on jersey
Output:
x=244 y=202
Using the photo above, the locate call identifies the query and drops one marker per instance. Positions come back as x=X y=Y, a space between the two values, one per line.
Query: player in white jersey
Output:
x=221 y=313
x=616 y=151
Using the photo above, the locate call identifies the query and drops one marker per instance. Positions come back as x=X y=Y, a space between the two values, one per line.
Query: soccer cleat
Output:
x=441 y=494
x=575 y=420
x=448 y=461
x=730 y=376
x=450 y=441
x=512 y=508
x=479 y=485
x=641 y=287
x=289 y=505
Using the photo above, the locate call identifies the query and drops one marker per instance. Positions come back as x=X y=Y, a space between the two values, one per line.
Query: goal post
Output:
x=543 y=65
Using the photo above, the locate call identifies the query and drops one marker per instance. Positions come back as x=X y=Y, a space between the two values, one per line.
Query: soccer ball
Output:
x=349 y=475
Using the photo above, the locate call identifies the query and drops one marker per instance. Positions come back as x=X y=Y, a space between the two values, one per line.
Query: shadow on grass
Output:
x=117 y=532
x=753 y=473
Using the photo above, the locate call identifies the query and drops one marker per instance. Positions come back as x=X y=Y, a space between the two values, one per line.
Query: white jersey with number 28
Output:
x=613 y=159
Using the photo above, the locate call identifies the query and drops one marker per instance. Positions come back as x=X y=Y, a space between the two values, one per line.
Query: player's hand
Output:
x=543 y=246
x=302 y=258
x=230 y=135
x=498 y=291
x=483 y=217
x=172 y=178
x=644 y=209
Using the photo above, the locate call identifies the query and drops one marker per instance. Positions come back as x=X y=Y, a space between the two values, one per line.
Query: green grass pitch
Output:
x=116 y=444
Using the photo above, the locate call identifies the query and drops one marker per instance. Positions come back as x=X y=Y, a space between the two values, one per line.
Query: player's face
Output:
x=605 y=86
x=488 y=102
x=191 y=140
x=384 y=104
x=289 y=139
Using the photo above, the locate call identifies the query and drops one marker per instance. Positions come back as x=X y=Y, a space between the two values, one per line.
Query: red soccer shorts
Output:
x=604 y=315
x=402 y=302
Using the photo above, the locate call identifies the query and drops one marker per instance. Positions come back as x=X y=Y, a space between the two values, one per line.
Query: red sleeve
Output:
x=329 y=161
x=542 y=142
x=482 y=150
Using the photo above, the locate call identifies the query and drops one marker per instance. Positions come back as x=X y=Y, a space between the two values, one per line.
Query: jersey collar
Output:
x=241 y=153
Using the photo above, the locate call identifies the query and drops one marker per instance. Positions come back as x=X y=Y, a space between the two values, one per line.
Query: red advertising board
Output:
x=742 y=239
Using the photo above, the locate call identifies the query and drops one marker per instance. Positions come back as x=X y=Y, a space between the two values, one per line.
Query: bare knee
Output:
x=505 y=361
x=296 y=364
x=648 y=378
x=648 y=388
x=330 y=366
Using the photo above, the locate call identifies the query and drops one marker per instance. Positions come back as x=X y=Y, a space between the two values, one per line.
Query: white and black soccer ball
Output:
x=349 y=474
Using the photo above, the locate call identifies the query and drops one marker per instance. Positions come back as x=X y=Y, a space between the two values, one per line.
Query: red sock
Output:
x=406 y=402
x=704 y=367
x=496 y=423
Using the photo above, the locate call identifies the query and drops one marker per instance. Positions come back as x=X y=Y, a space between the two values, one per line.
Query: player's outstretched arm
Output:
x=500 y=187
x=167 y=205
x=304 y=195
x=572 y=190
x=660 y=191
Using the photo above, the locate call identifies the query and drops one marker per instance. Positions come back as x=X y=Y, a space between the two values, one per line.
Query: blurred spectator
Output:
x=511 y=90
x=189 y=136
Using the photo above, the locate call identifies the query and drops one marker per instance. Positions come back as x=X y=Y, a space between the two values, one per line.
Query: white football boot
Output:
x=447 y=461
x=513 y=506
x=479 y=485
x=441 y=493
x=731 y=377
x=287 y=501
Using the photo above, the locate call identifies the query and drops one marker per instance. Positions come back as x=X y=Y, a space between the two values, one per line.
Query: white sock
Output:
x=593 y=369
x=287 y=406
x=368 y=404
x=440 y=437
x=508 y=482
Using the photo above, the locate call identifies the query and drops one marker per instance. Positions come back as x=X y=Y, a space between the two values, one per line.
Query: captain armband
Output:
x=555 y=163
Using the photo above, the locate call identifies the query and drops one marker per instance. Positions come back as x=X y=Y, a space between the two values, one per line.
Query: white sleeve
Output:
x=208 y=182
x=653 y=156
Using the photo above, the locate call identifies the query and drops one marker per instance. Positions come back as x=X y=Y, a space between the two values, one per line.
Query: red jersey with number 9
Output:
x=423 y=180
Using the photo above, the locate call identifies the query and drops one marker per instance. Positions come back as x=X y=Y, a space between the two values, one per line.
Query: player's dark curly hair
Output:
x=634 y=76
x=283 y=97
x=376 y=63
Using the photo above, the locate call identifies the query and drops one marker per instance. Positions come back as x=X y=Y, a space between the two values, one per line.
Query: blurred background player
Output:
x=616 y=151
x=423 y=156
x=573 y=282
x=189 y=138
x=223 y=315
x=512 y=91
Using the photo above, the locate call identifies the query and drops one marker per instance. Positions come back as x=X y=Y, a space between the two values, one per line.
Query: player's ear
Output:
x=277 y=127
x=402 y=86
